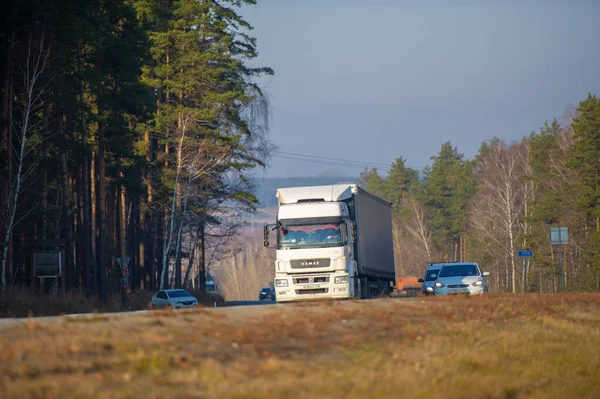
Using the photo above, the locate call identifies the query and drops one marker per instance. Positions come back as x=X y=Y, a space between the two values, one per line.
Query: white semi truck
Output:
x=332 y=242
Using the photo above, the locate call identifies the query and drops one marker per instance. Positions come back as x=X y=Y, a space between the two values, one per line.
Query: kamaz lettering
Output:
x=310 y=263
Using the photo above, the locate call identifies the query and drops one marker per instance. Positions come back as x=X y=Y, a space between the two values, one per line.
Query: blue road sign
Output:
x=527 y=253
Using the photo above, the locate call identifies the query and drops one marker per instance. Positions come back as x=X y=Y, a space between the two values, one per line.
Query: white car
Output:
x=460 y=278
x=173 y=299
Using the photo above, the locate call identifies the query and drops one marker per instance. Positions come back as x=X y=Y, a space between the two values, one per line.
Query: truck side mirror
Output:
x=266 y=235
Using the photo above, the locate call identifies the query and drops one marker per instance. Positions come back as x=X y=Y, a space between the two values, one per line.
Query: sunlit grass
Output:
x=497 y=346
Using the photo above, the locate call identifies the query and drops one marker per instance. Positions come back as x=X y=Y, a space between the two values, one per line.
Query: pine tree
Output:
x=585 y=162
x=448 y=186
x=107 y=170
x=204 y=90
x=401 y=181
x=550 y=201
x=371 y=181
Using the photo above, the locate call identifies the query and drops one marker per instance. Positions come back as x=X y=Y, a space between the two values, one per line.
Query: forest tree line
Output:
x=128 y=129
x=504 y=200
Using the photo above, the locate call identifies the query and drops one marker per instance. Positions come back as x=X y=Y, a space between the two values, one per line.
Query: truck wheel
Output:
x=365 y=288
x=385 y=288
x=357 y=290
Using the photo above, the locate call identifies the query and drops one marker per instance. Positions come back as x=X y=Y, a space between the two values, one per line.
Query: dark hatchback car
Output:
x=429 y=279
x=266 y=293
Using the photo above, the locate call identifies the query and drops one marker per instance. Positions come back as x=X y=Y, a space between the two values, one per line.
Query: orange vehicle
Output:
x=408 y=286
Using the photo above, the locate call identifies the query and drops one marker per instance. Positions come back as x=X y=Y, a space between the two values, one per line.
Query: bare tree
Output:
x=419 y=227
x=35 y=63
x=206 y=181
x=497 y=208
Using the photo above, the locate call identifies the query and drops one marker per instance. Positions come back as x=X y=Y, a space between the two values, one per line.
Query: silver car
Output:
x=173 y=299
x=460 y=278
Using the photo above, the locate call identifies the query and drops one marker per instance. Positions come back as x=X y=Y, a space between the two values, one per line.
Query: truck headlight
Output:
x=341 y=280
x=281 y=283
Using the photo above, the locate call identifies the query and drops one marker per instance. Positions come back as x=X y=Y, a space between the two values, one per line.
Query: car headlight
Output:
x=439 y=285
x=281 y=283
x=341 y=280
x=477 y=283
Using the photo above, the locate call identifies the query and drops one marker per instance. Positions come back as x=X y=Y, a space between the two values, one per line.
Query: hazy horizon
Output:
x=370 y=83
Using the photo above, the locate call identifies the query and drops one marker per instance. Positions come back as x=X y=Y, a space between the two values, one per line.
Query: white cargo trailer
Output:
x=332 y=242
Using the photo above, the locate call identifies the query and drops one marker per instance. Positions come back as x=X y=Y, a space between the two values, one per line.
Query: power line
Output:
x=294 y=156
x=330 y=162
x=336 y=161
x=385 y=165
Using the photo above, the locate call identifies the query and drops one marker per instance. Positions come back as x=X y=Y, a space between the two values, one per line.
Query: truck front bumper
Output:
x=304 y=287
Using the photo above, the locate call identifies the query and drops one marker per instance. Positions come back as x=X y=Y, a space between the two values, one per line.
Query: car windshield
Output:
x=265 y=290
x=178 y=294
x=459 y=271
x=432 y=274
x=310 y=235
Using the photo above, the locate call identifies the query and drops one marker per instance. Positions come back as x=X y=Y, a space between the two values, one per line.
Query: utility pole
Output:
x=525 y=253
x=560 y=265
x=524 y=275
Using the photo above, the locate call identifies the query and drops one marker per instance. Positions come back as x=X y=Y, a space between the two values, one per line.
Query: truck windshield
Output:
x=310 y=235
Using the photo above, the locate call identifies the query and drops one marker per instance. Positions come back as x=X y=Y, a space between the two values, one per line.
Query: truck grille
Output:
x=313 y=291
x=309 y=263
x=311 y=279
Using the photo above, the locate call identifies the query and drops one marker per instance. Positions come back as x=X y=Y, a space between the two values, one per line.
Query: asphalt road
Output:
x=250 y=303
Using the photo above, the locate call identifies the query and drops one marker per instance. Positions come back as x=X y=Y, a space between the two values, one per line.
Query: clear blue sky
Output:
x=374 y=80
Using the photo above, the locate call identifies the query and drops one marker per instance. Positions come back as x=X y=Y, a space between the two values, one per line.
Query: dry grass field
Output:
x=496 y=346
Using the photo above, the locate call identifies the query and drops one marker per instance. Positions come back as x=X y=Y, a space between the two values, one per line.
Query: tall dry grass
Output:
x=245 y=273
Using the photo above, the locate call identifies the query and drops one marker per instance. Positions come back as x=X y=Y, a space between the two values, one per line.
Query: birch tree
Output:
x=419 y=225
x=35 y=83
x=171 y=223
x=497 y=209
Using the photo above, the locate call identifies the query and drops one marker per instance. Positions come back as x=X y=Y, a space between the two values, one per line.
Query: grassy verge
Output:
x=24 y=302
x=496 y=346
